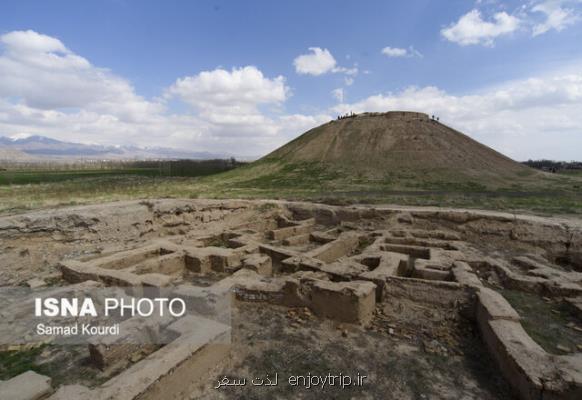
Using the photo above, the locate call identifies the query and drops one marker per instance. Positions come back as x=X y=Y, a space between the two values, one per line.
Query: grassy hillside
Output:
x=386 y=153
x=402 y=158
x=401 y=149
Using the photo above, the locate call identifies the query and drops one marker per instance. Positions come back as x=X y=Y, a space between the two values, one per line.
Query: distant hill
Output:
x=7 y=154
x=44 y=148
x=384 y=151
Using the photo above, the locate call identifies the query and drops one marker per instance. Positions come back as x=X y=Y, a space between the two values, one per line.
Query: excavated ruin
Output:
x=387 y=286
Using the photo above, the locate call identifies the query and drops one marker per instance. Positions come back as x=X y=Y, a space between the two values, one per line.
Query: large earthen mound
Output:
x=406 y=140
x=397 y=150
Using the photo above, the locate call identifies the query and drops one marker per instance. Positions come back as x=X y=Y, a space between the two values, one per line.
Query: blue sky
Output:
x=245 y=77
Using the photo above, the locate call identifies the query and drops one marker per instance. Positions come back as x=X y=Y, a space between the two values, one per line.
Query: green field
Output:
x=52 y=184
x=22 y=177
x=50 y=173
x=574 y=172
x=558 y=195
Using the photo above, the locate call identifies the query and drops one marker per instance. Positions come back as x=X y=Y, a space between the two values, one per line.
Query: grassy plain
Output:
x=551 y=194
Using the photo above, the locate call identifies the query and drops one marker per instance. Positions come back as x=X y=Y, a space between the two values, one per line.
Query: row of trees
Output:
x=162 y=167
x=551 y=165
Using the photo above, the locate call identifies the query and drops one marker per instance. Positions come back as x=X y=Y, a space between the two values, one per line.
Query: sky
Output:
x=244 y=77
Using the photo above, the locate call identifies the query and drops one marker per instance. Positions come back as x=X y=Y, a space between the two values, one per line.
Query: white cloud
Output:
x=319 y=61
x=394 y=52
x=556 y=15
x=240 y=135
x=348 y=71
x=44 y=74
x=471 y=29
x=338 y=94
x=537 y=117
x=397 y=52
x=47 y=89
x=535 y=16
x=240 y=88
x=228 y=102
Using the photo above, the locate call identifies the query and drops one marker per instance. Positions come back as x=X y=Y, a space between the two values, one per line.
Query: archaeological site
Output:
x=424 y=302
x=291 y=200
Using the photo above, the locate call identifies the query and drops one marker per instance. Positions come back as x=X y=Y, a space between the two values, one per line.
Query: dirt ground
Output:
x=416 y=359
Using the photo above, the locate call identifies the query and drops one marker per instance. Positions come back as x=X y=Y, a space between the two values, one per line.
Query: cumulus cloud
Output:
x=398 y=52
x=471 y=28
x=536 y=17
x=230 y=99
x=239 y=88
x=557 y=15
x=44 y=74
x=240 y=135
x=47 y=89
x=537 y=117
x=320 y=61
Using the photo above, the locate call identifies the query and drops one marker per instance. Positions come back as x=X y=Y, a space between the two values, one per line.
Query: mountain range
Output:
x=42 y=148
